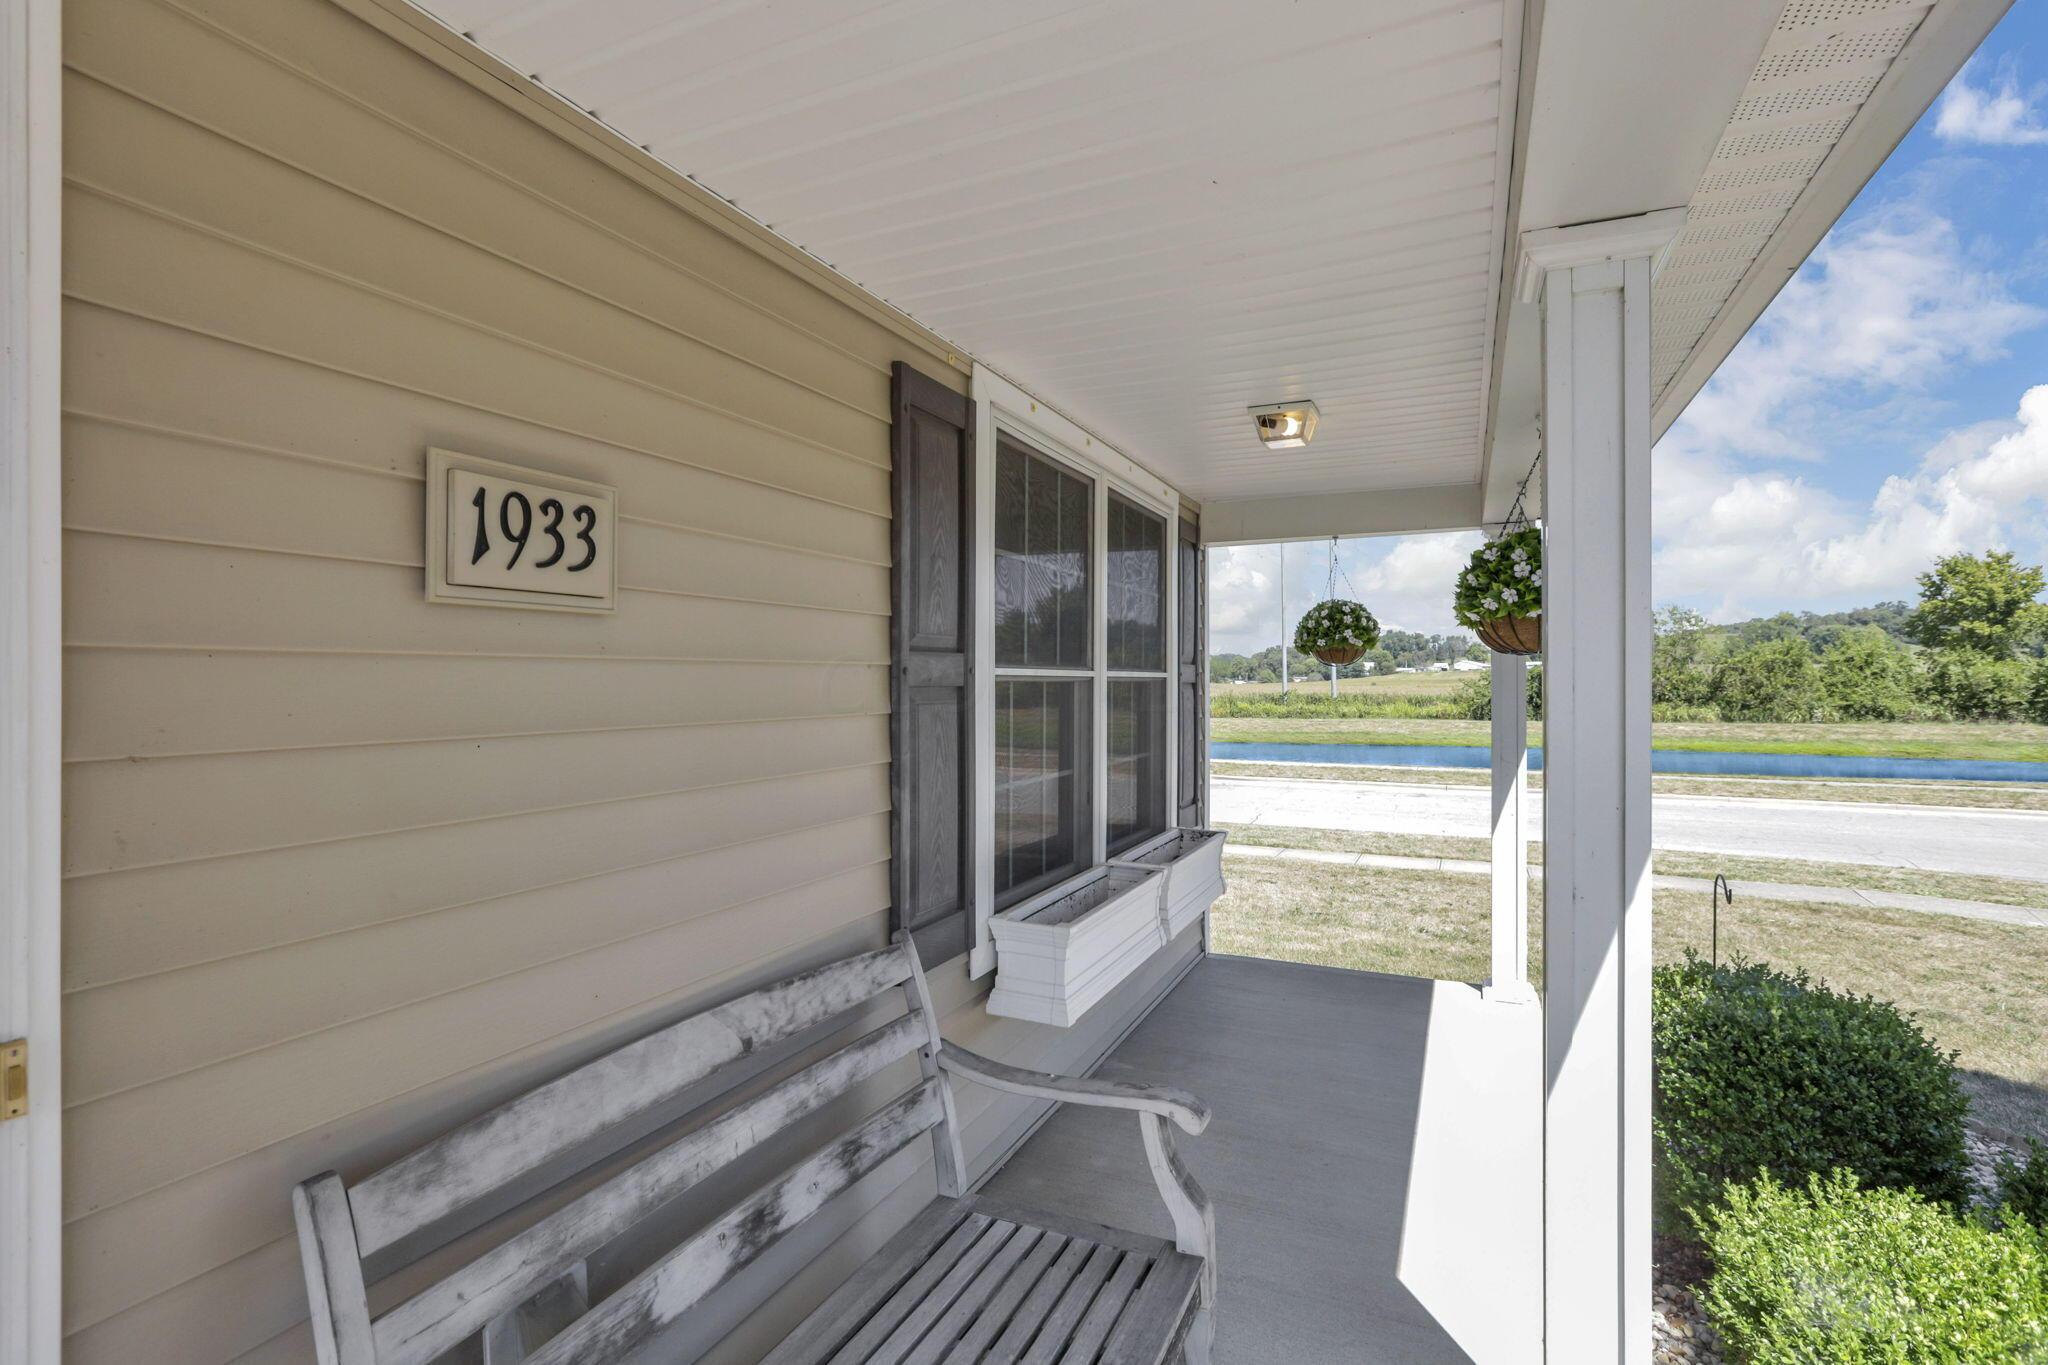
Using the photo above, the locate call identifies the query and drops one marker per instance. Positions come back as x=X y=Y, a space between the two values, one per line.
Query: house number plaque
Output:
x=502 y=535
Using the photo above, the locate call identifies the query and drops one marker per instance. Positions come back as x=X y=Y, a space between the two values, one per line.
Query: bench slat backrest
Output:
x=662 y=1293
x=513 y=1141
x=423 y=1327
x=338 y=1227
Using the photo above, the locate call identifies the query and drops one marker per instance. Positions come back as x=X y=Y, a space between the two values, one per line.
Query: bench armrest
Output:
x=1194 y=1221
x=1184 y=1109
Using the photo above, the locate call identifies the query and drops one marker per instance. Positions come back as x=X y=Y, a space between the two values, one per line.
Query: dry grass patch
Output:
x=1788 y=871
x=1409 y=923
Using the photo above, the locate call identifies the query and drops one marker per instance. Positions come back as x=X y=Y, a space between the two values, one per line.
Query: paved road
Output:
x=2000 y=843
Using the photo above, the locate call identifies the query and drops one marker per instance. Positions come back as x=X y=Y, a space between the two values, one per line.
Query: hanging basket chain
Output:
x=1336 y=568
x=1336 y=630
x=1517 y=517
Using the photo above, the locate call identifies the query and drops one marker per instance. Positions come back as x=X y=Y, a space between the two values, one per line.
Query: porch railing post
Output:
x=1594 y=284
x=1510 y=752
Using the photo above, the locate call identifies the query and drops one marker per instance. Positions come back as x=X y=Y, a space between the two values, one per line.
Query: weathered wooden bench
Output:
x=968 y=1280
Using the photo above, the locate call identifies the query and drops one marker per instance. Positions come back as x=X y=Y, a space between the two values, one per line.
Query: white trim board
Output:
x=30 y=641
x=1387 y=512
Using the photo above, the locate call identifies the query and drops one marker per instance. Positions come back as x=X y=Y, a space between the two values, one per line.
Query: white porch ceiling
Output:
x=1151 y=216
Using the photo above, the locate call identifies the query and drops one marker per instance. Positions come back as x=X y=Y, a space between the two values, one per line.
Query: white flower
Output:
x=1490 y=553
x=1510 y=595
x=1536 y=579
x=1521 y=569
x=1519 y=554
x=1491 y=604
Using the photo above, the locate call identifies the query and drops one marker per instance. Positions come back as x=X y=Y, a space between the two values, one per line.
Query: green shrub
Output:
x=1964 y=684
x=1475 y=695
x=1775 y=682
x=1755 y=1070
x=2023 y=1185
x=1867 y=675
x=2037 y=694
x=1838 y=1274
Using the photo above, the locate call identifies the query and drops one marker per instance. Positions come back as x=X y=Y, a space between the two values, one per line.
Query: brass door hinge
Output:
x=13 y=1079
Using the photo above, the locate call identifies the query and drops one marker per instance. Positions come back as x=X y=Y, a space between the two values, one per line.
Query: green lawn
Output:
x=1423 y=685
x=1977 y=987
x=1984 y=795
x=1988 y=740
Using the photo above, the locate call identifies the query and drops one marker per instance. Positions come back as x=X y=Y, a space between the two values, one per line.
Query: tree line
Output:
x=1396 y=649
x=1971 y=649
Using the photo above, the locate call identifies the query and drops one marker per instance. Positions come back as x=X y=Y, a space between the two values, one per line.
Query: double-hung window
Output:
x=1136 y=742
x=1076 y=655
x=1045 y=672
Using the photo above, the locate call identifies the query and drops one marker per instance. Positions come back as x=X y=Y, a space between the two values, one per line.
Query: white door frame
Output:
x=31 y=1220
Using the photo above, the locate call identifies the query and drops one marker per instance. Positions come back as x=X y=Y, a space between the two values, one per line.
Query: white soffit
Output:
x=1153 y=217
x=1821 y=66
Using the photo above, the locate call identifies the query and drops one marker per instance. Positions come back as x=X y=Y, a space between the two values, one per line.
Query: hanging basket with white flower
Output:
x=1500 y=592
x=1336 y=630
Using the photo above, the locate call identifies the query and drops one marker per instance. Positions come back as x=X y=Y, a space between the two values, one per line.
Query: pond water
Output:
x=1661 y=760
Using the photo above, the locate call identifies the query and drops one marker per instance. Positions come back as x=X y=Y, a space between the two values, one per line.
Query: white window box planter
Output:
x=1193 y=861
x=1058 y=954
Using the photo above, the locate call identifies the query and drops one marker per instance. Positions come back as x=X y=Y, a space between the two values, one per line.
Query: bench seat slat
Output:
x=440 y=1317
x=925 y=1314
x=526 y=1134
x=1058 y=1328
x=1044 y=1297
x=975 y=1301
x=974 y=1281
x=939 y=1234
x=678 y=1281
x=1102 y=1314
x=909 y=1294
x=974 y=1341
x=1152 y=1321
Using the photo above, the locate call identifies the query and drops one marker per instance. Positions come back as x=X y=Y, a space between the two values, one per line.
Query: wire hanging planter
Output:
x=1337 y=630
x=1500 y=591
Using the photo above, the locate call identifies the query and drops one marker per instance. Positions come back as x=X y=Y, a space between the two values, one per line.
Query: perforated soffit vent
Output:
x=1823 y=60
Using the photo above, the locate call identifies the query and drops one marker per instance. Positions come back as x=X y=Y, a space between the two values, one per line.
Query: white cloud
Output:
x=1406 y=582
x=1877 y=313
x=1773 y=537
x=1999 y=115
x=1243 y=598
x=1883 y=311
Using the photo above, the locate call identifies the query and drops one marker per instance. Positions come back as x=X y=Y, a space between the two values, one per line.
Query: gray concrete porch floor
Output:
x=1368 y=1209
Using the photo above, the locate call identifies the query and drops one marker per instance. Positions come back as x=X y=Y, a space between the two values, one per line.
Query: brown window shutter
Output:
x=931 y=681
x=1192 y=762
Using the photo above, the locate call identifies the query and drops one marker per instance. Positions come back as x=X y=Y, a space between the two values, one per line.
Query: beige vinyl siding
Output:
x=343 y=868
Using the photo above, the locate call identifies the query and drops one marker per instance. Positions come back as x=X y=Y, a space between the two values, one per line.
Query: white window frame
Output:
x=1003 y=409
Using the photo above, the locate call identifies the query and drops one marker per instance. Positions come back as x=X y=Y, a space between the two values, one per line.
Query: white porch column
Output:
x=1594 y=284
x=1510 y=751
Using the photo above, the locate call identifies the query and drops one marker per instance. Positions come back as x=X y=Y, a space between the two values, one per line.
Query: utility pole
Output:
x=1284 y=667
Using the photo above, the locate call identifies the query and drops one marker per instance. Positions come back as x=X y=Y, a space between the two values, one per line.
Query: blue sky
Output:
x=1871 y=420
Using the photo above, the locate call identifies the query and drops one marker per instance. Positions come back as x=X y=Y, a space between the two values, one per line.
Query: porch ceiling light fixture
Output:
x=1284 y=426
